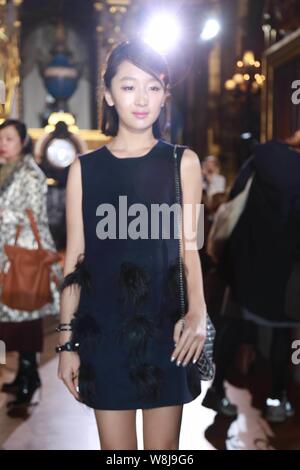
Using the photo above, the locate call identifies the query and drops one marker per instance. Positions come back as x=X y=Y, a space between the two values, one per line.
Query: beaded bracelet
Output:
x=64 y=327
x=68 y=346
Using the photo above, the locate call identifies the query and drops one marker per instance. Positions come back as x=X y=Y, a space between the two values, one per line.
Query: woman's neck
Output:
x=12 y=160
x=132 y=144
x=7 y=169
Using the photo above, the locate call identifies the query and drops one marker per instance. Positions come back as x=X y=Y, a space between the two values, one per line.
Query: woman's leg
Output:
x=117 y=429
x=161 y=427
x=228 y=340
x=278 y=407
x=25 y=359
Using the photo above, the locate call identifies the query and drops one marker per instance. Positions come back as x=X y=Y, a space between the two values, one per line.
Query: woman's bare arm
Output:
x=75 y=241
x=190 y=343
x=69 y=361
x=191 y=178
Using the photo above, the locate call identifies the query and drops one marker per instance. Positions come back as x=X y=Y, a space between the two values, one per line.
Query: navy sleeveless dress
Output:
x=129 y=299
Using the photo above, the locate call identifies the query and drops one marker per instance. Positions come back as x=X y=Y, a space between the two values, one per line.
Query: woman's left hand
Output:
x=189 y=337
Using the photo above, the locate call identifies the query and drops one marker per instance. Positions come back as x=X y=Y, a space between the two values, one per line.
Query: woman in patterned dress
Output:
x=23 y=185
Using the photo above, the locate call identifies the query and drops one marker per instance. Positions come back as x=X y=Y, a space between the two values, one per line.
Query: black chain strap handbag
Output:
x=205 y=365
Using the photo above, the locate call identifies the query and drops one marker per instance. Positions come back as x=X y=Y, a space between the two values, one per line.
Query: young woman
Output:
x=23 y=185
x=119 y=300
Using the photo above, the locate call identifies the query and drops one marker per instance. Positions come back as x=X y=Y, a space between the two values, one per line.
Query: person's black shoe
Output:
x=278 y=410
x=30 y=383
x=11 y=387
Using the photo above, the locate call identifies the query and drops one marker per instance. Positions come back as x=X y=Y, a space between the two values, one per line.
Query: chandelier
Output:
x=247 y=77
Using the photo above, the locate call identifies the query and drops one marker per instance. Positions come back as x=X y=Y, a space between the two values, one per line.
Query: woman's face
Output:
x=137 y=96
x=10 y=144
x=209 y=166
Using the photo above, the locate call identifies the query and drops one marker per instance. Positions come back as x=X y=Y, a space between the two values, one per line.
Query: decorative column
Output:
x=10 y=56
x=3 y=42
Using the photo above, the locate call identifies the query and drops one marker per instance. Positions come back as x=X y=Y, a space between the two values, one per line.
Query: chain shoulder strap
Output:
x=180 y=251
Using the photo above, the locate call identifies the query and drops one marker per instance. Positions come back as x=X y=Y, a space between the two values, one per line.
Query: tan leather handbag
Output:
x=26 y=284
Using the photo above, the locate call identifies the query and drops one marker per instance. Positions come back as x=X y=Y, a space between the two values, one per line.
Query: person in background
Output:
x=23 y=185
x=214 y=185
x=259 y=263
x=213 y=181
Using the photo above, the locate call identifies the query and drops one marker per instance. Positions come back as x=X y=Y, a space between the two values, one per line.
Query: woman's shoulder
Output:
x=190 y=158
x=171 y=145
x=92 y=154
x=90 y=161
x=32 y=170
x=183 y=149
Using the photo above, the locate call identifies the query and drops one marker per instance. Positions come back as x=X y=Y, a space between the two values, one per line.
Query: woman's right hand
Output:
x=68 y=369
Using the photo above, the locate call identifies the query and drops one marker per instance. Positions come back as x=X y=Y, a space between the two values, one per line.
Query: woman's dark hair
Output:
x=146 y=58
x=22 y=131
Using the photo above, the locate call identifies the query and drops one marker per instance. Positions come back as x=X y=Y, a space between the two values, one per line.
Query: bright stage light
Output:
x=162 y=32
x=211 y=29
x=246 y=135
